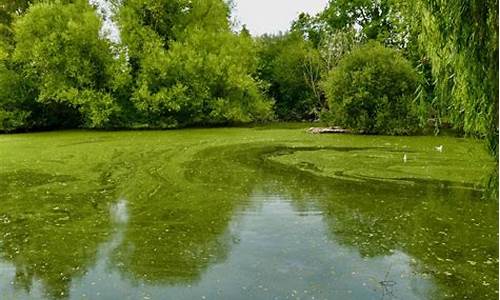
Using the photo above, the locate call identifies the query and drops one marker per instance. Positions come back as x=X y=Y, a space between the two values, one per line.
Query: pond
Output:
x=244 y=213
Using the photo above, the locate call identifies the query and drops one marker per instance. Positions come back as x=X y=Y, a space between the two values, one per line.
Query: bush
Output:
x=372 y=91
x=10 y=121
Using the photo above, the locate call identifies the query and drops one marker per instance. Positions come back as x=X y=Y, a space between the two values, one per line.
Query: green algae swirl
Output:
x=184 y=189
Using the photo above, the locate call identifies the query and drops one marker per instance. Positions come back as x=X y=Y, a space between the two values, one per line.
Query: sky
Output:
x=260 y=16
x=273 y=16
x=109 y=28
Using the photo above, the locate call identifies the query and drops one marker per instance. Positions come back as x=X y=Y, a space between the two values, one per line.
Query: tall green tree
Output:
x=197 y=71
x=378 y=20
x=15 y=105
x=293 y=69
x=73 y=68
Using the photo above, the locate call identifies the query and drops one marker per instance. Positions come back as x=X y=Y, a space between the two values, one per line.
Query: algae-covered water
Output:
x=244 y=213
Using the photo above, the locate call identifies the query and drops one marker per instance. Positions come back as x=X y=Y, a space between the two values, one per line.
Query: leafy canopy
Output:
x=60 y=51
x=372 y=90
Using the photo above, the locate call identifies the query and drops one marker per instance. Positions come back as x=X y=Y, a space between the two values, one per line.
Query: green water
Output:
x=249 y=213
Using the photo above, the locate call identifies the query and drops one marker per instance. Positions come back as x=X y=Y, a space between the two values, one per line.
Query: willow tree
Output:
x=460 y=38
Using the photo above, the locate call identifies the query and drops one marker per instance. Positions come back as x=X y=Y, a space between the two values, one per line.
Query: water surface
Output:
x=244 y=214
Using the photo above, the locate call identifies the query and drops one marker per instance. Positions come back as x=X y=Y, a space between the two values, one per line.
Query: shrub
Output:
x=371 y=91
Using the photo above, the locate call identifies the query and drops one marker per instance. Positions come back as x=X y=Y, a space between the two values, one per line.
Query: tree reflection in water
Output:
x=230 y=221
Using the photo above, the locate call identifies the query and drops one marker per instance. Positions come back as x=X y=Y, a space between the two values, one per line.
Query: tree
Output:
x=460 y=39
x=9 y=9
x=198 y=72
x=375 y=19
x=16 y=104
x=372 y=90
x=72 y=68
x=293 y=69
x=310 y=27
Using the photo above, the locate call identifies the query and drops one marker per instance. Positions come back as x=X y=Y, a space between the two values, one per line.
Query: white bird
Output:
x=439 y=148
x=405 y=158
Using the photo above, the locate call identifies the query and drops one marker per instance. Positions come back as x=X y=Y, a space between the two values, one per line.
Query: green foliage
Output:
x=461 y=40
x=12 y=116
x=15 y=108
x=11 y=120
x=310 y=27
x=203 y=79
x=60 y=51
x=9 y=9
x=143 y=23
x=371 y=90
x=198 y=73
x=293 y=69
x=372 y=19
x=333 y=47
x=180 y=63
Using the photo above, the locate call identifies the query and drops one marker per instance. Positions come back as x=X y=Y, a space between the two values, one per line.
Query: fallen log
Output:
x=322 y=130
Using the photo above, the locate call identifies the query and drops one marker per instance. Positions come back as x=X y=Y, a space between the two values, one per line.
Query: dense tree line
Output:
x=178 y=63
x=181 y=62
x=451 y=45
